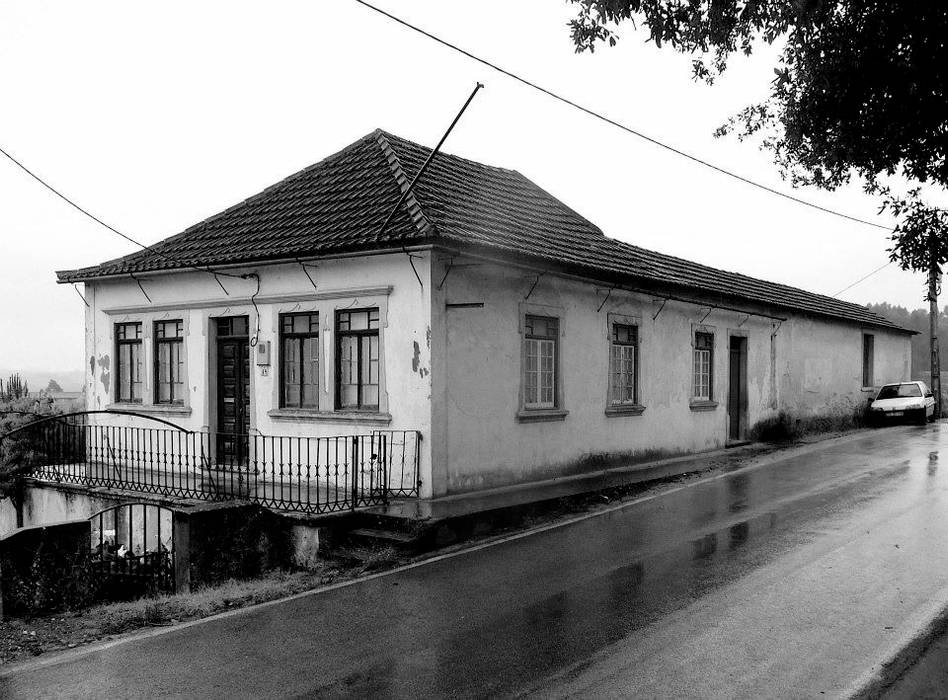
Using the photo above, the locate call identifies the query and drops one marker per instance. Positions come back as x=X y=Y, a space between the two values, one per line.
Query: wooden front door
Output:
x=233 y=389
x=737 y=388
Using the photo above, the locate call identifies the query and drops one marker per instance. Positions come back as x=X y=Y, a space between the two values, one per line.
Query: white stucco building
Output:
x=518 y=340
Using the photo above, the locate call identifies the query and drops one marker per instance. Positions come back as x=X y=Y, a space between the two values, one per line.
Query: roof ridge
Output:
x=415 y=210
x=476 y=163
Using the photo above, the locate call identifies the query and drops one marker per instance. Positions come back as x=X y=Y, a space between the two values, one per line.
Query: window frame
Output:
x=361 y=334
x=157 y=343
x=554 y=339
x=695 y=350
x=283 y=335
x=613 y=390
x=120 y=342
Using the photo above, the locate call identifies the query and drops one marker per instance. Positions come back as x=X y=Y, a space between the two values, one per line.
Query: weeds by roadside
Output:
x=784 y=427
x=21 y=638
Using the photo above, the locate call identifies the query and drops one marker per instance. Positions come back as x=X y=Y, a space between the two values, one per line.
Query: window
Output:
x=128 y=369
x=169 y=362
x=899 y=391
x=540 y=360
x=623 y=361
x=357 y=359
x=868 y=352
x=299 y=350
x=703 y=373
x=233 y=327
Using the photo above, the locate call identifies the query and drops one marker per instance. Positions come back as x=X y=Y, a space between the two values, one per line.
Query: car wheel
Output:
x=931 y=418
x=920 y=417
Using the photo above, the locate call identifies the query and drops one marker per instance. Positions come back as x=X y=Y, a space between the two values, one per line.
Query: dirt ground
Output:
x=21 y=639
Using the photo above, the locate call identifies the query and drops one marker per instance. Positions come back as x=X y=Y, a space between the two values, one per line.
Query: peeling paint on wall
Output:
x=416 y=361
x=104 y=364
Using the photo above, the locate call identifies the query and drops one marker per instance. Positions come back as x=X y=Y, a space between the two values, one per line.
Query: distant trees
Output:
x=14 y=389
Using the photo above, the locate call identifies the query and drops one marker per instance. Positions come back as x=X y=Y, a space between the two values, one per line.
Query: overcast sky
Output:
x=157 y=115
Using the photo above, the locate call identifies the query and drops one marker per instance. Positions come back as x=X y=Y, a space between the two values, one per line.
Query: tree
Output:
x=15 y=388
x=860 y=86
x=921 y=243
x=859 y=89
x=18 y=451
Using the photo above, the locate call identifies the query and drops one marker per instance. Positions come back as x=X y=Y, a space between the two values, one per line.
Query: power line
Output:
x=524 y=81
x=99 y=221
x=619 y=125
x=862 y=279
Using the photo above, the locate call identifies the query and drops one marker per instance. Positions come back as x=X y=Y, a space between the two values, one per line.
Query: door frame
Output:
x=215 y=397
x=740 y=386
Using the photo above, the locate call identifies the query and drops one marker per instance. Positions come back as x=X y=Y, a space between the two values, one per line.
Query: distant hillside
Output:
x=39 y=379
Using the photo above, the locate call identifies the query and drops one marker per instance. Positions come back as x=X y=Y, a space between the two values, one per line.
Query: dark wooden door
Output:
x=233 y=389
x=737 y=387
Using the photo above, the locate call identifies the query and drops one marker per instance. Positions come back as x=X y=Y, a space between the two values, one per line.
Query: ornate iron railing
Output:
x=307 y=474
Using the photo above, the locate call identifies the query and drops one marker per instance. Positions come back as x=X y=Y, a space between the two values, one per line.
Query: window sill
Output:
x=541 y=415
x=166 y=409
x=625 y=410
x=303 y=414
x=703 y=405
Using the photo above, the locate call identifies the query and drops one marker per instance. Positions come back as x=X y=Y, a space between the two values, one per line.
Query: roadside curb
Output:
x=905 y=653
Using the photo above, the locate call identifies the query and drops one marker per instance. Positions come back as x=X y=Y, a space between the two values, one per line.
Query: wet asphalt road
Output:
x=561 y=612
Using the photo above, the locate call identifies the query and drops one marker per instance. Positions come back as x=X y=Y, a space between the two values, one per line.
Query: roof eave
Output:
x=597 y=275
x=90 y=275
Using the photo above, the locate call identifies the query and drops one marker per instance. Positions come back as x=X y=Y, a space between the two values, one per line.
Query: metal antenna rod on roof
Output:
x=421 y=171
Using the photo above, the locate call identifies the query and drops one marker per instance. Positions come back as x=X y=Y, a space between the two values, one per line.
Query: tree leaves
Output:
x=860 y=87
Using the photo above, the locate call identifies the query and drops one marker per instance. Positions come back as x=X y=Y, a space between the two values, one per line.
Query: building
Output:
x=490 y=330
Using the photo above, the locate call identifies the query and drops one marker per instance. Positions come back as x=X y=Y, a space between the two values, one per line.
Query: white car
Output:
x=903 y=401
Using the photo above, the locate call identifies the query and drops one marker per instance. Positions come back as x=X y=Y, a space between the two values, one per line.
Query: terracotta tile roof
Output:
x=339 y=204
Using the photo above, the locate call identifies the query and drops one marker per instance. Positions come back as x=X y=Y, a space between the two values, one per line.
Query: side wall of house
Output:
x=386 y=282
x=821 y=365
x=485 y=438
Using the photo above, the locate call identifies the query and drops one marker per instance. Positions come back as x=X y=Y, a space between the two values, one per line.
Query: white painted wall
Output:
x=813 y=367
x=455 y=373
x=44 y=505
x=820 y=365
x=385 y=281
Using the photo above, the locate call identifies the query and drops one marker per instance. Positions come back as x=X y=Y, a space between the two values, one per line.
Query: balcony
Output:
x=305 y=474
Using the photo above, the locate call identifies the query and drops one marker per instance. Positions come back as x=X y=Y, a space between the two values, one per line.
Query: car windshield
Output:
x=899 y=391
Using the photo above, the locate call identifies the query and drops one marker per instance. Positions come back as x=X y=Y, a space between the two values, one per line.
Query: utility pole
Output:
x=933 y=284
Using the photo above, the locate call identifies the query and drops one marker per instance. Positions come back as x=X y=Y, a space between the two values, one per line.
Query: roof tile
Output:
x=339 y=204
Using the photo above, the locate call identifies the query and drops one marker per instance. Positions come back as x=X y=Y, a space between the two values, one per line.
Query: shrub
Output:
x=19 y=449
